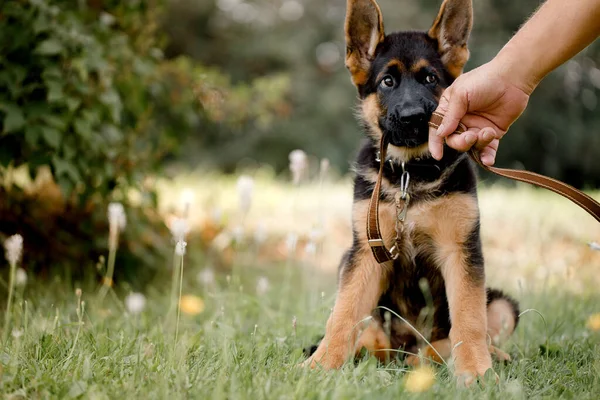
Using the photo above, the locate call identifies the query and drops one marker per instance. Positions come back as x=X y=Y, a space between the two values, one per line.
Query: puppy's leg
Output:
x=375 y=340
x=453 y=224
x=361 y=282
x=359 y=290
x=502 y=319
x=433 y=352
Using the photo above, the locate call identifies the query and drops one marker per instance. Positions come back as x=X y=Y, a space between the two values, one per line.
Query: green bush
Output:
x=86 y=92
x=75 y=85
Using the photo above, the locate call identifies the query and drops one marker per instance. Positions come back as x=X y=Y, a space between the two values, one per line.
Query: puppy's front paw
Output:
x=471 y=364
x=325 y=358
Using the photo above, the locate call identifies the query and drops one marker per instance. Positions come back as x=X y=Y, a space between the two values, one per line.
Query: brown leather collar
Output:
x=383 y=255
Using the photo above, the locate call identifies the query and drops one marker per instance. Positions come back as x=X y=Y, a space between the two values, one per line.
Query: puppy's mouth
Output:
x=408 y=136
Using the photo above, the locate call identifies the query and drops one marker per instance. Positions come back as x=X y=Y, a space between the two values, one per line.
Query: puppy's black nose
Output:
x=411 y=115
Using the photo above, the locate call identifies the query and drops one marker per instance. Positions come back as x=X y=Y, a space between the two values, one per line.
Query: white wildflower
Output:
x=20 y=277
x=311 y=248
x=316 y=235
x=107 y=19
x=238 y=233
x=262 y=285
x=298 y=165
x=280 y=340
x=245 y=188
x=222 y=241
x=180 y=248
x=14 y=248
x=291 y=241
x=17 y=333
x=135 y=303
x=116 y=215
x=324 y=167
x=260 y=234
x=216 y=215
x=179 y=228
x=206 y=276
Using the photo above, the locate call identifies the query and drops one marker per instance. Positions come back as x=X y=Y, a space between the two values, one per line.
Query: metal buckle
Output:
x=404 y=181
x=376 y=242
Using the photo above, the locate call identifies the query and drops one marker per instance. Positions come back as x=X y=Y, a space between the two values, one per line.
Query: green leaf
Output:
x=73 y=103
x=55 y=122
x=55 y=92
x=82 y=127
x=65 y=168
x=49 y=47
x=14 y=119
x=51 y=136
x=32 y=135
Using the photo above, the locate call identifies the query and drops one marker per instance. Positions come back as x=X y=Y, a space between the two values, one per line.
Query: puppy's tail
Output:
x=502 y=315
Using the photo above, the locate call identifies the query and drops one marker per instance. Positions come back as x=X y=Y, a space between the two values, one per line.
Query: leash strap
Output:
x=380 y=252
x=383 y=255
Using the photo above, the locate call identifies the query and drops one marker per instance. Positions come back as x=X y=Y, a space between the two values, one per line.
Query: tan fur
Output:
x=419 y=65
x=501 y=321
x=371 y=111
x=394 y=63
x=443 y=348
x=358 y=293
x=404 y=154
x=449 y=221
x=374 y=339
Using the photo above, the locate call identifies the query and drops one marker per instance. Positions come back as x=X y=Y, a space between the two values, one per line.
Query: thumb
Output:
x=453 y=105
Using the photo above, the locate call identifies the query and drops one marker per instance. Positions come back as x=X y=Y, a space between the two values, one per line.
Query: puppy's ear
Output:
x=364 y=31
x=451 y=29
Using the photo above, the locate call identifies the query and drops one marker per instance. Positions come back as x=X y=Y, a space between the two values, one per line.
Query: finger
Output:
x=485 y=137
x=436 y=144
x=453 y=105
x=463 y=141
x=488 y=155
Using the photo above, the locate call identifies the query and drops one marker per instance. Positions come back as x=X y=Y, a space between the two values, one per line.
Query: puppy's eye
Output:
x=387 y=81
x=431 y=78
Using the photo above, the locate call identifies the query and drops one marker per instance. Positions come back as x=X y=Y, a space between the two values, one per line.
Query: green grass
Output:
x=244 y=346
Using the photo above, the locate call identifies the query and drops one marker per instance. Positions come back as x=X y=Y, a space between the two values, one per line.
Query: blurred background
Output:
x=140 y=101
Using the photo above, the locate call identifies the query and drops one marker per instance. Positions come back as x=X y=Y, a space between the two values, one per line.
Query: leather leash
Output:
x=383 y=255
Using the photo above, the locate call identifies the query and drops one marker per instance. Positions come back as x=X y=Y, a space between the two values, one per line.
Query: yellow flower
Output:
x=191 y=305
x=593 y=322
x=419 y=380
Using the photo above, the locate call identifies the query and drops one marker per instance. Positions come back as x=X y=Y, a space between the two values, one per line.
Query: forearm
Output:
x=556 y=32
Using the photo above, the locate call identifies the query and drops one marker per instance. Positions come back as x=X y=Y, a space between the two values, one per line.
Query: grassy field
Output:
x=243 y=334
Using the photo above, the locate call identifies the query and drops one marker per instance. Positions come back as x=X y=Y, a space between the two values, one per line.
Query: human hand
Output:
x=487 y=103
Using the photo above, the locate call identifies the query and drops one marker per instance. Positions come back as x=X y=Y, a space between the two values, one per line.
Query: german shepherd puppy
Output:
x=438 y=282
